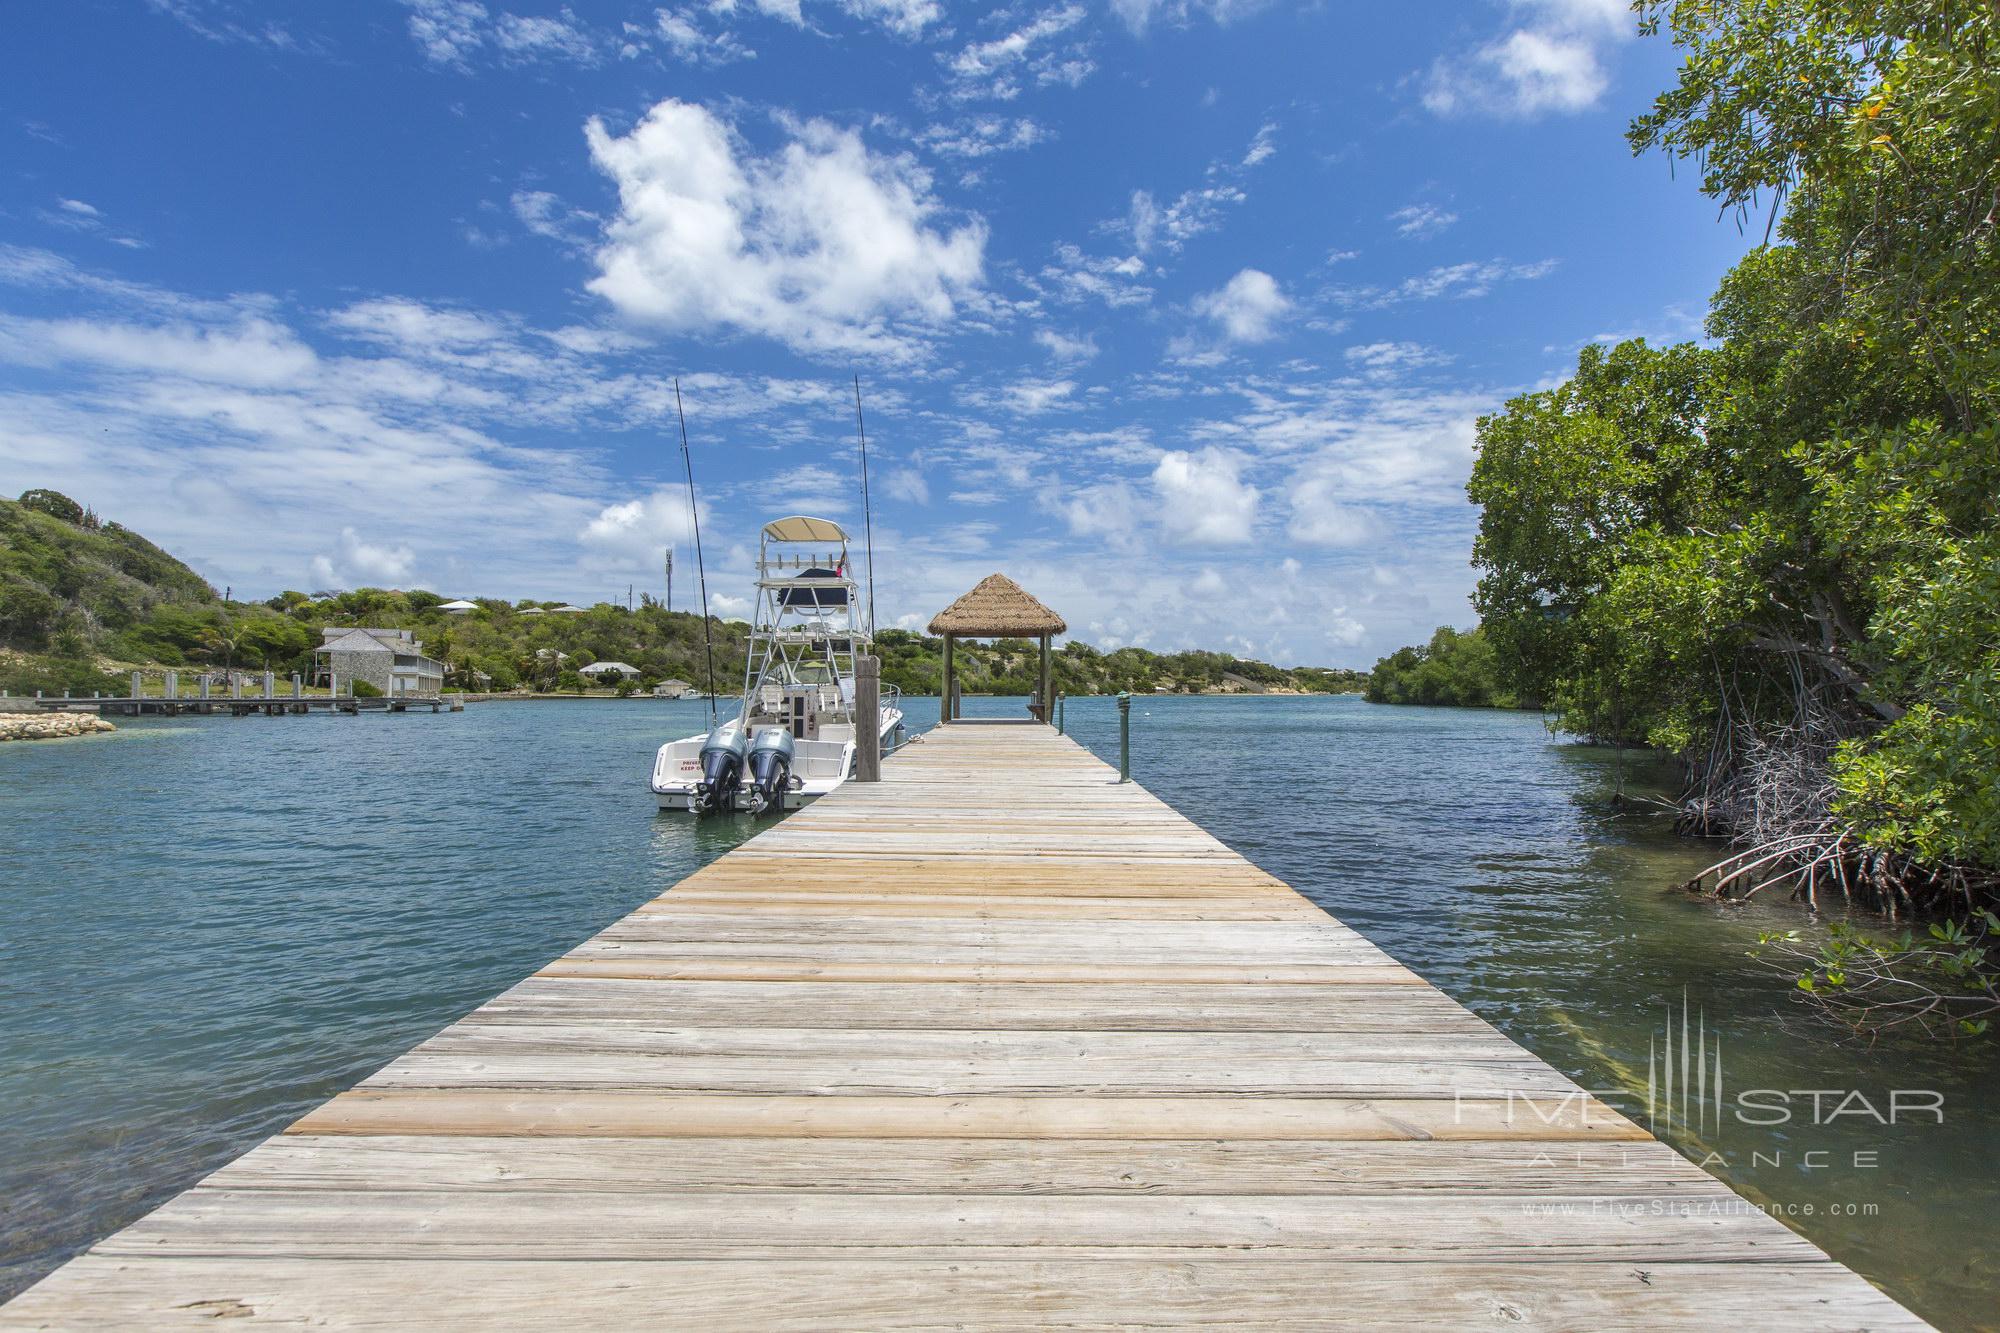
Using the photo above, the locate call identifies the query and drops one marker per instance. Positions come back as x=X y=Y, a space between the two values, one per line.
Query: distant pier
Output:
x=272 y=700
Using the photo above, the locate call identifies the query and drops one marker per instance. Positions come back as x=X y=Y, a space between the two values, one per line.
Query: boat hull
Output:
x=819 y=767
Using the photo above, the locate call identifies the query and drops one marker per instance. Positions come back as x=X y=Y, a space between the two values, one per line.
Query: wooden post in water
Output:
x=173 y=685
x=270 y=685
x=138 y=684
x=298 y=686
x=1124 y=736
x=867 y=718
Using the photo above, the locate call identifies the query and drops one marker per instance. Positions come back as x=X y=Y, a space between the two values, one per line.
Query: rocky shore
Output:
x=47 y=726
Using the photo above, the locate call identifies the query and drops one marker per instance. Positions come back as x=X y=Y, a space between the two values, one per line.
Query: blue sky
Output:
x=1180 y=313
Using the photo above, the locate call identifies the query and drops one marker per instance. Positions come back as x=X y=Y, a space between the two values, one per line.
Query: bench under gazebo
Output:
x=998 y=608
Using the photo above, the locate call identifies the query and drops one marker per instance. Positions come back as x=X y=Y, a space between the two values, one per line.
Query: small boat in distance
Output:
x=793 y=737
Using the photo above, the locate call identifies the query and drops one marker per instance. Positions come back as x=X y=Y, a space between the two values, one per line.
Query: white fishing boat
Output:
x=793 y=738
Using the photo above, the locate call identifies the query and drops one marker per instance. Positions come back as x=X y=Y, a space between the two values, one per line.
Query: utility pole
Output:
x=670 y=580
x=628 y=597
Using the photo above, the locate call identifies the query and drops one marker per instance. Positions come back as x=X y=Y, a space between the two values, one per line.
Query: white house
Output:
x=457 y=608
x=596 y=669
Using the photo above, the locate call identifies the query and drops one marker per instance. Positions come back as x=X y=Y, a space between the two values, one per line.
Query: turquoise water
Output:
x=209 y=925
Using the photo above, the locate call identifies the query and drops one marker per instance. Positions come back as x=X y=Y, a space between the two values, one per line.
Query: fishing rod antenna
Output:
x=701 y=570
x=867 y=510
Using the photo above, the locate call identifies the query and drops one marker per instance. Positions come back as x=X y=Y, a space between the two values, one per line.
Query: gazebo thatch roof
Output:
x=997 y=608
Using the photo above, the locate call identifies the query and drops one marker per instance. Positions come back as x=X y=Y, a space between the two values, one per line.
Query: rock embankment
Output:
x=48 y=726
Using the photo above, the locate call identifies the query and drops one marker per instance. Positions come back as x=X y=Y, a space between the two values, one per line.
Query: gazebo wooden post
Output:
x=944 y=699
x=1042 y=685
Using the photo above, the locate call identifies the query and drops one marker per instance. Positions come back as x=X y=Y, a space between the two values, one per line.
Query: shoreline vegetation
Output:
x=1775 y=555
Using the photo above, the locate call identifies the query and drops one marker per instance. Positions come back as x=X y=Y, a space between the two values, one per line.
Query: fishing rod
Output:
x=867 y=510
x=701 y=570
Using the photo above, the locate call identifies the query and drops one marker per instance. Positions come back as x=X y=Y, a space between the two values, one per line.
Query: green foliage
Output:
x=915 y=664
x=58 y=572
x=1455 y=668
x=1945 y=980
x=362 y=689
x=56 y=505
x=1682 y=543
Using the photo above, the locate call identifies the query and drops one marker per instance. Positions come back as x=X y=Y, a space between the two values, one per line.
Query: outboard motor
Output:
x=721 y=771
x=770 y=768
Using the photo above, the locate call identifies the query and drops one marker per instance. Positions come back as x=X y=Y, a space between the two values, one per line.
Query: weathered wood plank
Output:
x=789 y=1293
x=576 y=1113
x=960 y=1166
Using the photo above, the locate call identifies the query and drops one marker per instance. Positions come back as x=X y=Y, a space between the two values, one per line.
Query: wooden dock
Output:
x=996 y=1042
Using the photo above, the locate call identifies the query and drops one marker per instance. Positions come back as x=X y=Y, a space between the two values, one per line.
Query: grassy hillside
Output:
x=79 y=598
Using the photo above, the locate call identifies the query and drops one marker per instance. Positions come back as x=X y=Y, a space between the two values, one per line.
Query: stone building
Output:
x=391 y=660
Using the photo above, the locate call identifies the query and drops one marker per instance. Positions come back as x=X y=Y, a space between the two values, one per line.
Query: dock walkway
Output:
x=996 y=1042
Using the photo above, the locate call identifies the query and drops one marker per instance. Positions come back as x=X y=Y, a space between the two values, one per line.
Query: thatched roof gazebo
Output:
x=998 y=608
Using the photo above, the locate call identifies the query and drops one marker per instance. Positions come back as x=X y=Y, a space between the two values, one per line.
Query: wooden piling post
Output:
x=867 y=718
x=1124 y=736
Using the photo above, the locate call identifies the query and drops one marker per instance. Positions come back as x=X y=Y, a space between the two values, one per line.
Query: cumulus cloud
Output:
x=636 y=533
x=1246 y=307
x=823 y=245
x=1203 y=499
x=1550 y=59
x=358 y=562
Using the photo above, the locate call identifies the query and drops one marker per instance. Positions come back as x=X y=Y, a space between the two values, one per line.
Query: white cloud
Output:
x=687 y=40
x=905 y=18
x=1246 y=307
x=546 y=215
x=1142 y=14
x=1263 y=146
x=1195 y=211
x=1319 y=518
x=77 y=206
x=1203 y=499
x=453 y=33
x=908 y=484
x=363 y=563
x=1386 y=356
x=982 y=136
x=1421 y=221
x=1067 y=349
x=1036 y=51
x=1108 y=511
x=637 y=533
x=1551 y=60
x=823 y=245
x=1465 y=281
x=1024 y=397
x=1076 y=277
